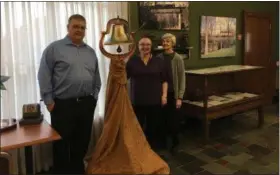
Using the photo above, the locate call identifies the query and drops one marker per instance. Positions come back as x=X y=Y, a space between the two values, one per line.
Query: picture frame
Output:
x=164 y=15
x=217 y=37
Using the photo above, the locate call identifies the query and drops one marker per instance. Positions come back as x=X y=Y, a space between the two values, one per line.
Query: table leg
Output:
x=260 y=117
x=30 y=160
x=19 y=162
x=206 y=125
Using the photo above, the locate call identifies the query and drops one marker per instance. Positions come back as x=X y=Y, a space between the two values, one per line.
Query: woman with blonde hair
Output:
x=175 y=71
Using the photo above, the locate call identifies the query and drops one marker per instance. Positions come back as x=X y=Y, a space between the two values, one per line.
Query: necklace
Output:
x=146 y=59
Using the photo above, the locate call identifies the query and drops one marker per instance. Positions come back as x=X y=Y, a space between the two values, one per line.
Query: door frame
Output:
x=271 y=67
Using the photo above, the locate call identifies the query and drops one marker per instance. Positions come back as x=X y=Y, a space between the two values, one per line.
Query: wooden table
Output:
x=27 y=136
x=222 y=91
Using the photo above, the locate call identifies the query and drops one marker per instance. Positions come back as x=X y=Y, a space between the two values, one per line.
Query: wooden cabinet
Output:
x=217 y=92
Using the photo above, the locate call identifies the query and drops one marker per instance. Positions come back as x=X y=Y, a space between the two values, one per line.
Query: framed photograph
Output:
x=217 y=37
x=164 y=15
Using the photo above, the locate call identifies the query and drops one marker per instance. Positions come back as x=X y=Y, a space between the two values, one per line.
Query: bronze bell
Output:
x=117 y=35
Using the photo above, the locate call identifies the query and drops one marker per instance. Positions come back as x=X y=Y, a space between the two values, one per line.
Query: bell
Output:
x=117 y=35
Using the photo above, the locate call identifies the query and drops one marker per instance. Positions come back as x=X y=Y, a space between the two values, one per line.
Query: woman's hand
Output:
x=163 y=100
x=178 y=103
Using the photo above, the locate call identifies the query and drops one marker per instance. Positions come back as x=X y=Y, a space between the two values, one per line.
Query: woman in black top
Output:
x=148 y=87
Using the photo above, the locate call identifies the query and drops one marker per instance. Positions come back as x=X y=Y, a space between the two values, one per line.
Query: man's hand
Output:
x=178 y=103
x=50 y=107
x=163 y=100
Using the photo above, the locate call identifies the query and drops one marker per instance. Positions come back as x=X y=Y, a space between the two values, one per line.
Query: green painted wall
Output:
x=231 y=9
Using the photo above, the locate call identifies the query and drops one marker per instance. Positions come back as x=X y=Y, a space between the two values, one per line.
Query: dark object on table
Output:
x=31 y=111
x=31 y=114
x=31 y=121
x=7 y=124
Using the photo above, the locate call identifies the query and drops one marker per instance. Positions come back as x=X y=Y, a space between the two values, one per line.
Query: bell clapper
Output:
x=119 y=49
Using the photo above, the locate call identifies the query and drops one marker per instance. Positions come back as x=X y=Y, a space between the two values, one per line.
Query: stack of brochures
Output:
x=216 y=100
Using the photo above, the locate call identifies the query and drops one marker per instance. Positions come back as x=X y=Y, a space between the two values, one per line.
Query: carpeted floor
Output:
x=237 y=146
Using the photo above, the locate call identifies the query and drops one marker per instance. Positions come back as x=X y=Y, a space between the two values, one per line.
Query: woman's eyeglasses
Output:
x=144 y=44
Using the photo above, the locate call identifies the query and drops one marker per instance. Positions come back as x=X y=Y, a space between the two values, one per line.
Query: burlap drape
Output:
x=122 y=147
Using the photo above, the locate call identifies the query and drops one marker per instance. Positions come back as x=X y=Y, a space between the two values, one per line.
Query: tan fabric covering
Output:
x=122 y=147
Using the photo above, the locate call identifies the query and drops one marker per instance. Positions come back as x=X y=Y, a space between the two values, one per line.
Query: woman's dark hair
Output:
x=145 y=36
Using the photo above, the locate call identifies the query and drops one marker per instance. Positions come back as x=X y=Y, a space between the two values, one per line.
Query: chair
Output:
x=5 y=163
